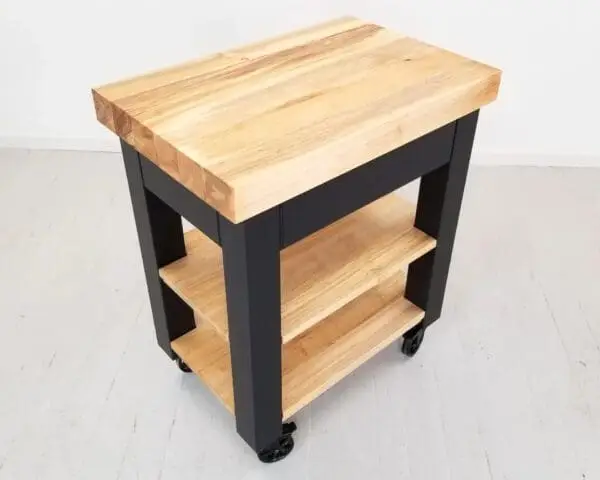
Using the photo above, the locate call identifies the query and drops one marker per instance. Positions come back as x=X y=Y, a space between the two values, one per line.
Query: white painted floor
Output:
x=506 y=387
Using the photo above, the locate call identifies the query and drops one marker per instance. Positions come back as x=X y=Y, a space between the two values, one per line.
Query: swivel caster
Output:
x=182 y=365
x=412 y=340
x=281 y=447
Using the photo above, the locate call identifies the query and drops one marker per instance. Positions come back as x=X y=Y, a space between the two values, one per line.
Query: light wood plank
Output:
x=207 y=354
x=320 y=274
x=250 y=128
x=320 y=357
x=337 y=346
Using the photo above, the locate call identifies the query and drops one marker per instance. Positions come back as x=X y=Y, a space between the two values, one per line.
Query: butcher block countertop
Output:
x=252 y=127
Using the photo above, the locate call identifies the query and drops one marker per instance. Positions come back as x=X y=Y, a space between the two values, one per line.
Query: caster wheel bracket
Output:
x=182 y=365
x=281 y=447
x=412 y=340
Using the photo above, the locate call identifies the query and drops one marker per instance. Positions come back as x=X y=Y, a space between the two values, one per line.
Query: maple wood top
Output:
x=253 y=127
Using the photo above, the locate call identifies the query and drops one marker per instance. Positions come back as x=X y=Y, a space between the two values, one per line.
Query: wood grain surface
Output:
x=320 y=357
x=319 y=274
x=250 y=128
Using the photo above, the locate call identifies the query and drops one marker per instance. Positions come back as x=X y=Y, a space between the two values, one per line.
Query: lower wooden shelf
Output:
x=321 y=356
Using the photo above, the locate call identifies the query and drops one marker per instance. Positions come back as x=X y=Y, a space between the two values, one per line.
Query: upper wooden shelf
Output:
x=253 y=127
x=319 y=275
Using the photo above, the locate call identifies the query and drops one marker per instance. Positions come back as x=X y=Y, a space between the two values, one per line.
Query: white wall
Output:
x=52 y=52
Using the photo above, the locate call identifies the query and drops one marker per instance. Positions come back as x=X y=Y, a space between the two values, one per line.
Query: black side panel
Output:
x=161 y=242
x=341 y=196
x=438 y=209
x=180 y=199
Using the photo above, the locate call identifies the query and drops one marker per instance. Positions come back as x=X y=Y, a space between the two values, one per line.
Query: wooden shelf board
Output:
x=320 y=274
x=320 y=357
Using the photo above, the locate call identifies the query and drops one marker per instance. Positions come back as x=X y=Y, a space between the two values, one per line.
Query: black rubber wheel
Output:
x=281 y=448
x=182 y=365
x=412 y=341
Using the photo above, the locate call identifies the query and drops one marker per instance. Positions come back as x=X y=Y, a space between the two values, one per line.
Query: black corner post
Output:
x=438 y=209
x=252 y=284
x=160 y=234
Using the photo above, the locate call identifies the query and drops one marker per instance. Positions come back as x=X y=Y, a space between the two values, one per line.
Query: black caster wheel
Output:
x=182 y=365
x=281 y=448
x=412 y=341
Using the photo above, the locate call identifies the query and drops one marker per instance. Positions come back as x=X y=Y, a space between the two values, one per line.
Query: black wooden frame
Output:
x=438 y=210
x=345 y=194
x=251 y=267
x=251 y=253
x=160 y=234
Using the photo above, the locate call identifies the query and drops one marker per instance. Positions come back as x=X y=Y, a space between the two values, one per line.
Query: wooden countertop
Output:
x=253 y=127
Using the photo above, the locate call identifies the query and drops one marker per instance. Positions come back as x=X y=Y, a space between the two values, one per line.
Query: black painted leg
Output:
x=438 y=209
x=251 y=264
x=160 y=234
